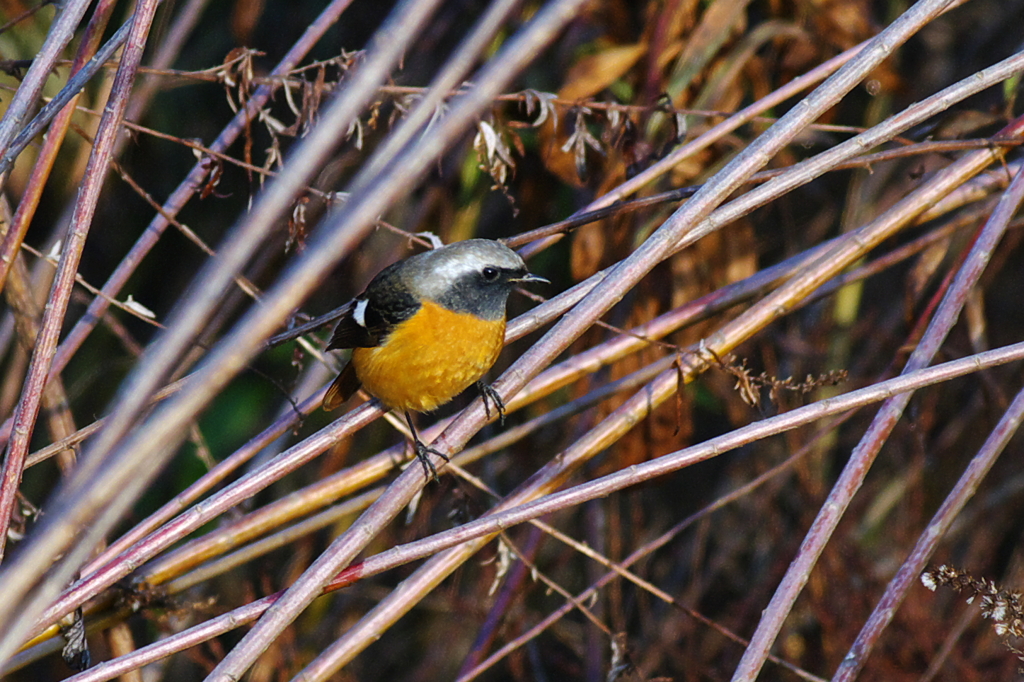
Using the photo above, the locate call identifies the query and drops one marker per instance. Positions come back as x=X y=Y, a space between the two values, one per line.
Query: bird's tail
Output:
x=343 y=388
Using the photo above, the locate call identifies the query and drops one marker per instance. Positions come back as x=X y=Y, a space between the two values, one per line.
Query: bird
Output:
x=426 y=328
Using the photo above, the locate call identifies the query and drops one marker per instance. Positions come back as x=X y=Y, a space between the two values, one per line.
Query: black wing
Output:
x=369 y=318
x=351 y=334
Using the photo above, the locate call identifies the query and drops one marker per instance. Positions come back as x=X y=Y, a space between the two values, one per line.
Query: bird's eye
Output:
x=490 y=274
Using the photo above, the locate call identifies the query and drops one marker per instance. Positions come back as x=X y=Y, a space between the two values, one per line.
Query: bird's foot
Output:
x=423 y=452
x=487 y=393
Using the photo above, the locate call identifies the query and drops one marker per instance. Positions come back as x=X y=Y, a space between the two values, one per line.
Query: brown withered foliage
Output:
x=1003 y=607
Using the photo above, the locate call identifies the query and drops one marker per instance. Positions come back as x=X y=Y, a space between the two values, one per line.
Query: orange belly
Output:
x=430 y=358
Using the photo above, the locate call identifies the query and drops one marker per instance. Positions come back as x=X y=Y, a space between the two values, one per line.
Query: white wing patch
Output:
x=359 y=314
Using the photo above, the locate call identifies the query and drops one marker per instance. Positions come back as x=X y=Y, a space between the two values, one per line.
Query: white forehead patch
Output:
x=457 y=265
x=437 y=270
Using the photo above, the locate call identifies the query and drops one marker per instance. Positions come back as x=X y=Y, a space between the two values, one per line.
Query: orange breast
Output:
x=430 y=358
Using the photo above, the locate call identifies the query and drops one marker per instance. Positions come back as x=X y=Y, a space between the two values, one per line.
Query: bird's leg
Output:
x=423 y=451
x=487 y=392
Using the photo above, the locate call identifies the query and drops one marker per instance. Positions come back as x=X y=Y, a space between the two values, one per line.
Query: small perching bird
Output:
x=428 y=327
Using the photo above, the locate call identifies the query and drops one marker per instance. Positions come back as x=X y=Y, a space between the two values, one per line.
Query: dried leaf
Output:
x=543 y=103
x=579 y=141
x=593 y=74
x=76 y=648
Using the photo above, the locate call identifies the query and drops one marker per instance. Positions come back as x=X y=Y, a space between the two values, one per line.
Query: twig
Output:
x=46 y=344
x=864 y=454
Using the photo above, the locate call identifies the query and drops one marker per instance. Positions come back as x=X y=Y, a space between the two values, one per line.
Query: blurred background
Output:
x=624 y=84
